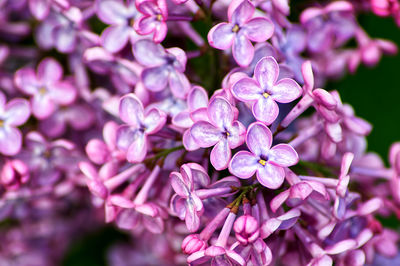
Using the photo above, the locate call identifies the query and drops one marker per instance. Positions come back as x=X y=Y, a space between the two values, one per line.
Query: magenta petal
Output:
x=258 y=29
x=247 y=89
x=137 y=150
x=26 y=81
x=49 y=70
x=243 y=12
x=265 y=110
x=205 y=134
x=220 y=112
x=17 y=112
x=161 y=32
x=192 y=218
x=114 y=38
x=285 y=91
x=283 y=155
x=39 y=8
x=259 y=139
x=220 y=155
x=42 y=106
x=97 y=151
x=242 y=50
x=131 y=110
x=156 y=78
x=243 y=164
x=111 y=12
x=148 y=53
x=179 y=84
x=271 y=176
x=221 y=36
x=266 y=72
x=62 y=92
x=10 y=140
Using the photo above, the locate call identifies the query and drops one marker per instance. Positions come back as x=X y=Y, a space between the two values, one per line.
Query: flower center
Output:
x=42 y=91
x=132 y=22
x=262 y=162
x=235 y=28
x=266 y=95
x=159 y=17
x=1 y=123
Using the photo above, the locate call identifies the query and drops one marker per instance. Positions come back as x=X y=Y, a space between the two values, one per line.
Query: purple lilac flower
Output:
x=240 y=31
x=265 y=90
x=132 y=136
x=221 y=131
x=153 y=19
x=12 y=114
x=267 y=162
x=46 y=87
x=163 y=67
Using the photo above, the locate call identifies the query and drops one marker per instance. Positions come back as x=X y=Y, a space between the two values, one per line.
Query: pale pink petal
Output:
x=161 y=32
x=26 y=81
x=154 y=120
x=197 y=98
x=220 y=112
x=179 y=185
x=148 y=53
x=265 y=110
x=17 y=112
x=258 y=29
x=114 y=38
x=42 y=106
x=242 y=50
x=156 y=79
x=243 y=164
x=131 y=110
x=39 y=8
x=285 y=91
x=179 y=84
x=283 y=155
x=271 y=176
x=259 y=139
x=247 y=89
x=205 y=134
x=125 y=136
x=266 y=72
x=62 y=92
x=65 y=39
x=220 y=155
x=10 y=140
x=242 y=13
x=137 y=150
x=221 y=36
x=111 y=11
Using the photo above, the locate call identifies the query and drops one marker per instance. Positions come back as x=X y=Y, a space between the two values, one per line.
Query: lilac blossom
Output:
x=163 y=67
x=153 y=19
x=221 y=131
x=46 y=87
x=12 y=114
x=265 y=90
x=269 y=163
x=240 y=31
x=132 y=136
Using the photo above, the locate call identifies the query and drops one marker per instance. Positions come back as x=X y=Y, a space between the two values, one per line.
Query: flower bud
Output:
x=192 y=244
x=246 y=229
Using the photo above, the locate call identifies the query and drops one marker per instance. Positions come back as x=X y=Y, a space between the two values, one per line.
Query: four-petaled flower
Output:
x=12 y=114
x=164 y=67
x=265 y=90
x=268 y=162
x=132 y=137
x=240 y=31
x=155 y=14
x=46 y=87
x=222 y=130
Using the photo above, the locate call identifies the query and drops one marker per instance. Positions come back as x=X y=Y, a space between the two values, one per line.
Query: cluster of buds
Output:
x=183 y=123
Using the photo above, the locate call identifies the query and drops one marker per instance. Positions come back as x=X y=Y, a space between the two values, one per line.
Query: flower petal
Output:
x=137 y=150
x=258 y=29
x=243 y=12
x=131 y=110
x=271 y=176
x=285 y=91
x=17 y=112
x=154 y=120
x=221 y=36
x=114 y=38
x=10 y=140
x=243 y=164
x=179 y=84
x=259 y=138
x=242 y=50
x=111 y=12
x=26 y=81
x=156 y=78
x=266 y=72
x=220 y=155
x=49 y=70
x=265 y=110
x=148 y=53
x=283 y=155
x=220 y=112
x=42 y=106
x=247 y=89
x=62 y=92
x=205 y=134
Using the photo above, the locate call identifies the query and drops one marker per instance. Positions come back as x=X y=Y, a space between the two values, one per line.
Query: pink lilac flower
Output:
x=153 y=19
x=265 y=90
x=240 y=31
x=120 y=16
x=269 y=163
x=12 y=114
x=46 y=87
x=163 y=67
x=222 y=131
x=132 y=136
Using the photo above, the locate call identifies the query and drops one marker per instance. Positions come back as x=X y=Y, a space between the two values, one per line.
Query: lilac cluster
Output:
x=103 y=119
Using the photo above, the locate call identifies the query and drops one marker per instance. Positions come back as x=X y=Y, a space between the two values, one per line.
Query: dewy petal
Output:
x=148 y=53
x=259 y=139
x=156 y=78
x=265 y=110
x=114 y=38
x=283 y=155
x=42 y=106
x=247 y=89
x=10 y=140
x=221 y=36
x=242 y=13
x=137 y=150
x=49 y=70
x=131 y=110
x=266 y=72
x=112 y=12
x=258 y=29
x=62 y=92
x=26 y=81
x=243 y=164
x=220 y=112
x=205 y=134
x=242 y=50
x=220 y=155
x=17 y=112
x=179 y=84
x=271 y=176
x=154 y=120
x=285 y=91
